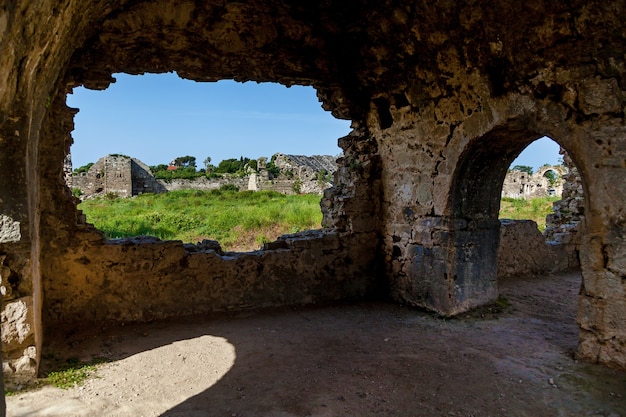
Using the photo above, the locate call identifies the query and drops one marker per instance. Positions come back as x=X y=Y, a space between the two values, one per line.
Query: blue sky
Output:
x=158 y=117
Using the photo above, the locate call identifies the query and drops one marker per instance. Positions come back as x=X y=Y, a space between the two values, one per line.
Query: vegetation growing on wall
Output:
x=180 y=173
x=272 y=169
x=523 y=168
x=84 y=168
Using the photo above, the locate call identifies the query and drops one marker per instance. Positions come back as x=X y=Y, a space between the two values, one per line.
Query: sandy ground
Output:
x=366 y=359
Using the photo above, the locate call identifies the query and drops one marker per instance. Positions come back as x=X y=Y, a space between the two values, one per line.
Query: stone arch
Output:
x=477 y=182
x=473 y=204
x=556 y=169
x=471 y=213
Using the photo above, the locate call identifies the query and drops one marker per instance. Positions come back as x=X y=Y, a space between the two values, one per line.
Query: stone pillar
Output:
x=262 y=169
x=453 y=265
x=253 y=182
x=443 y=172
x=19 y=253
x=602 y=298
x=354 y=203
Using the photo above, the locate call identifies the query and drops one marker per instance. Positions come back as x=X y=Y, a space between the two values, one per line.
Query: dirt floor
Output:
x=367 y=359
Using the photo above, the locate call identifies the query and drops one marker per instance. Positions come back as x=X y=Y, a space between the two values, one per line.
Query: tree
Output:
x=232 y=165
x=253 y=164
x=84 y=168
x=271 y=167
x=207 y=162
x=227 y=166
x=157 y=168
x=552 y=177
x=523 y=168
x=185 y=161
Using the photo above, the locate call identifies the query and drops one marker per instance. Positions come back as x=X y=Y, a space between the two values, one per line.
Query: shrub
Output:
x=229 y=187
x=296 y=186
x=323 y=177
x=84 y=168
x=272 y=169
x=188 y=173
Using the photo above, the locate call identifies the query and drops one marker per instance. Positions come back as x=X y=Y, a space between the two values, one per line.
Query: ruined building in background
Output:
x=547 y=181
x=118 y=175
x=565 y=224
x=298 y=173
x=123 y=176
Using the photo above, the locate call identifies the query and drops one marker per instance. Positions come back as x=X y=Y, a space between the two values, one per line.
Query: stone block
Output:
x=17 y=322
x=27 y=364
x=602 y=284
x=588 y=346
x=598 y=96
x=9 y=230
x=612 y=352
x=590 y=313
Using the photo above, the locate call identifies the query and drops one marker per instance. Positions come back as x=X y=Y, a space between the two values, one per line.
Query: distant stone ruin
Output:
x=124 y=176
x=119 y=175
x=298 y=173
x=520 y=184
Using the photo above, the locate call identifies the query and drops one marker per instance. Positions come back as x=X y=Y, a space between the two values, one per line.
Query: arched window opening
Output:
x=534 y=182
x=241 y=163
x=486 y=247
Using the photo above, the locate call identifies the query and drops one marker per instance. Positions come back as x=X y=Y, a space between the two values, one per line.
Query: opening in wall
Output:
x=533 y=183
x=241 y=163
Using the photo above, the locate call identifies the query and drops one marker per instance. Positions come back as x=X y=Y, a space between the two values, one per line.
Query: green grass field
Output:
x=532 y=209
x=240 y=221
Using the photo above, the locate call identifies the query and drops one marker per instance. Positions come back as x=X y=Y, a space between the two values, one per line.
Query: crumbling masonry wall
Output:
x=519 y=184
x=442 y=97
x=123 y=176
x=144 y=279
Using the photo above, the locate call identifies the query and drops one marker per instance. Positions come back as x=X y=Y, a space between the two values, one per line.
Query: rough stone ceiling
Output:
x=352 y=50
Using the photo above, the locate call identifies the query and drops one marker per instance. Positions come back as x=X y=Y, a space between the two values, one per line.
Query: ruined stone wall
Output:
x=144 y=278
x=142 y=180
x=204 y=183
x=283 y=185
x=299 y=174
x=518 y=184
x=563 y=226
x=118 y=175
x=439 y=239
x=524 y=251
x=19 y=338
x=311 y=174
x=111 y=174
x=307 y=166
